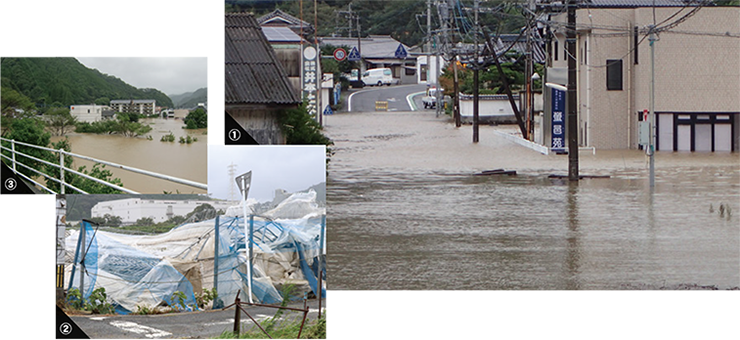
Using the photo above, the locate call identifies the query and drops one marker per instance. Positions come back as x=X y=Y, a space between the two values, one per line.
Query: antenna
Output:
x=232 y=177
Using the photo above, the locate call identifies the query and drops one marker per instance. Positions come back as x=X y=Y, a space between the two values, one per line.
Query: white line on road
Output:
x=349 y=99
x=410 y=100
x=147 y=331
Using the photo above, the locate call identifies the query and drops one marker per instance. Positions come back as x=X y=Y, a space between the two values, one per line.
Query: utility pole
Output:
x=359 y=51
x=476 y=84
x=651 y=134
x=572 y=116
x=528 y=74
x=455 y=60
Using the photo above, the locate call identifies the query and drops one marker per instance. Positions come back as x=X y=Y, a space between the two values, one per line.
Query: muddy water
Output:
x=405 y=212
x=186 y=161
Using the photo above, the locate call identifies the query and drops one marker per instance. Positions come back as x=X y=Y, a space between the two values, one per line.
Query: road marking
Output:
x=410 y=100
x=100 y=318
x=133 y=327
x=349 y=99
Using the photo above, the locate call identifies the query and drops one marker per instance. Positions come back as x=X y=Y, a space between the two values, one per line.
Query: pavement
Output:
x=204 y=324
x=398 y=97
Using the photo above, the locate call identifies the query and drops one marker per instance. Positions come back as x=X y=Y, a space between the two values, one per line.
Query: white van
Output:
x=378 y=76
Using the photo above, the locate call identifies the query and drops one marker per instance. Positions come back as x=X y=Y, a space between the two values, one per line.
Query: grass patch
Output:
x=284 y=328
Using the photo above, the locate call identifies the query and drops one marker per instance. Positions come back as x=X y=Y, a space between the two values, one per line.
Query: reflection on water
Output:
x=438 y=230
x=186 y=161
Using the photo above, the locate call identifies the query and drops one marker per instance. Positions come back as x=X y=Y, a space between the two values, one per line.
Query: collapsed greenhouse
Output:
x=286 y=244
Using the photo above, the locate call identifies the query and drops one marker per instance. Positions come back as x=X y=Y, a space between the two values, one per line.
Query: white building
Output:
x=88 y=113
x=132 y=209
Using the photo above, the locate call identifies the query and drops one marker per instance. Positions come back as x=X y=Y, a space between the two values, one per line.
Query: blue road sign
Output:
x=401 y=52
x=353 y=55
x=328 y=111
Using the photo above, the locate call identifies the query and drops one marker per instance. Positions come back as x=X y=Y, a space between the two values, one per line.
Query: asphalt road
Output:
x=397 y=96
x=206 y=324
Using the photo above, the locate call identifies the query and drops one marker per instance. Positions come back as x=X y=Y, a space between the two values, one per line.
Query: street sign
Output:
x=340 y=54
x=354 y=55
x=328 y=111
x=401 y=52
x=558 y=120
x=244 y=181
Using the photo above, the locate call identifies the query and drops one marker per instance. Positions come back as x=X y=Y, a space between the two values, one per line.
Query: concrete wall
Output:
x=490 y=110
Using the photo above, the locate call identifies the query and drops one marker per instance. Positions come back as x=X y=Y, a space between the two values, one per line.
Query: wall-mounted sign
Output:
x=558 y=120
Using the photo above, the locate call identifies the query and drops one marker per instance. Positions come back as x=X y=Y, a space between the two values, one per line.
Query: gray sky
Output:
x=146 y=43
x=293 y=168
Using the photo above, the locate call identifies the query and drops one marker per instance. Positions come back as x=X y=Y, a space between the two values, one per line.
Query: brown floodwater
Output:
x=405 y=212
x=186 y=161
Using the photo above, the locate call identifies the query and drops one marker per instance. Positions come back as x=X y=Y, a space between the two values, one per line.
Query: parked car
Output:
x=379 y=77
x=430 y=99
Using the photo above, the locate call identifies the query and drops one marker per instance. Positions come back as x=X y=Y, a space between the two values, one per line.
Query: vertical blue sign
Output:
x=558 y=120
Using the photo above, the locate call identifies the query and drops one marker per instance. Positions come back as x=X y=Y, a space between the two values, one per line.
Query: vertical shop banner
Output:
x=310 y=79
x=558 y=120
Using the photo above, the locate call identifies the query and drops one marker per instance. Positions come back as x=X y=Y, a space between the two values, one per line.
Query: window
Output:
x=636 y=42
x=556 y=51
x=614 y=74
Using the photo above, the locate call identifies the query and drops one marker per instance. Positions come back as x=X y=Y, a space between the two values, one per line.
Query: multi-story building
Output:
x=140 y=106
x=132 y=209
x=90 y=113
x=697 y=73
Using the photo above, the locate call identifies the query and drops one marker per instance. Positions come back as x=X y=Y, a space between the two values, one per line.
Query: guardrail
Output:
x=63 y=169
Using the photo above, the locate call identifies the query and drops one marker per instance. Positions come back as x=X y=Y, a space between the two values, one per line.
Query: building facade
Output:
x=379 y=51
x=90 y=113
x=140 y=106
x=132 y=209
x=697 y=75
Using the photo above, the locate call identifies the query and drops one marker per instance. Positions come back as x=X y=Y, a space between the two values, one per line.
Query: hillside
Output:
x=65 y=81
x=190 y=100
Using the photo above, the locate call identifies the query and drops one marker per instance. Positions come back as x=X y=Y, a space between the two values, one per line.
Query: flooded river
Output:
x=186 y=161
x=405 y=212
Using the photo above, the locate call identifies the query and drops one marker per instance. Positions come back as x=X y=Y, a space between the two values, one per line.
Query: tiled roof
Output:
x=282 y=16
x=639 y=3
x=253 y=73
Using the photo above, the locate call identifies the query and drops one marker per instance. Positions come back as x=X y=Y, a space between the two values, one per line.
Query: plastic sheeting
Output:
x=145 y=271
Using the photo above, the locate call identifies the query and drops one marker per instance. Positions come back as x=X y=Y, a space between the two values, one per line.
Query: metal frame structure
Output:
x=62 y=169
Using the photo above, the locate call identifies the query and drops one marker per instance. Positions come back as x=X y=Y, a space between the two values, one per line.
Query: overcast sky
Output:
x=146 y=43
x=292 y=168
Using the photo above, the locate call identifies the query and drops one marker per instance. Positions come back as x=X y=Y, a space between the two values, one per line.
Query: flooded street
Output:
x=406 y=213
x=186 y=161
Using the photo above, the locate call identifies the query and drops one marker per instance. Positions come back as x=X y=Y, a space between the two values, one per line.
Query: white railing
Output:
x=62 y=169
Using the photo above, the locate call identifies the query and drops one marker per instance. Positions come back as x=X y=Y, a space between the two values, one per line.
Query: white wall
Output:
x=432 y=69
x=87 y=113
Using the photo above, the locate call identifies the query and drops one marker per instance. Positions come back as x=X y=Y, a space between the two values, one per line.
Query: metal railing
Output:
x=63 y=169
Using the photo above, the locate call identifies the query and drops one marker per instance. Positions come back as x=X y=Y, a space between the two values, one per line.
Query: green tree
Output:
x=13 y=105
x=145 y=221
x=102 y=101
x=300 y=128
x=197 y=119
x=59 y=119
x=30 y=131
